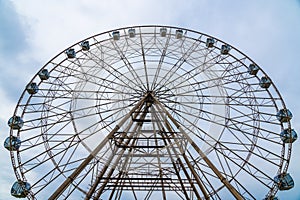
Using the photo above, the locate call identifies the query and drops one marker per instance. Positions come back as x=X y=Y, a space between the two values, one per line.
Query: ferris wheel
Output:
x=150 y=112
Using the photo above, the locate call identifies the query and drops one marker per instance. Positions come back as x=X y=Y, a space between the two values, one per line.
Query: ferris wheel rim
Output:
x=148 y=26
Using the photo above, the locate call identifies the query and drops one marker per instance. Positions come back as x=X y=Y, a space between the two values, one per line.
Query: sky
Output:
x=32 y=32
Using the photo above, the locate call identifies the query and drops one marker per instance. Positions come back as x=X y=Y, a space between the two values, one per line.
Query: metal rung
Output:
x=138 y=179
x=141 y=120
x=140 y=146
x=143 y=155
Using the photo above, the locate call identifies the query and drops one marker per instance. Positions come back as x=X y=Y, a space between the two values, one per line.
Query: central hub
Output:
x=149 y=99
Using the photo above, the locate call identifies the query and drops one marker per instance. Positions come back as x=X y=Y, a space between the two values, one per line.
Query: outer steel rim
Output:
x=235 y=70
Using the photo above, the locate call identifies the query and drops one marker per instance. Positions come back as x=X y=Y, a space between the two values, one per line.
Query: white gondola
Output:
x=179 y=34
x=44 y=74
x=20 y=189
x=253 y=69
x=284 y=115
x=284 y=181
x=116 y=35
x=85 y=45
x=288 y=136
x=225 y=48
x=32 y=88
x=15 y=122
x=71 y=53
x=163 y=32
x=265 y=82
x=131 y=32
x=210 y=42
x=12 y=143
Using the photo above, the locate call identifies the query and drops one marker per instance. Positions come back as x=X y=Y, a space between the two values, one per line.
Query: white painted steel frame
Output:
x=106 y=123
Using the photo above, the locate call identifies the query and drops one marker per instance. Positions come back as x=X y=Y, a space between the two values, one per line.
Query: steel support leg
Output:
x=79 y=169
x=227 y=184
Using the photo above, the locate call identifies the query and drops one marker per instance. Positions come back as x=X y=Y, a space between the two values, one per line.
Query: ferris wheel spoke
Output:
x=204 y=176
x=237 y=143
x=223 y=146
x=226 y=169
x=213 y=83
x=145 y=64
x=76 y=184
x=86 y=95
x=41 y=186
x=129 y=66
x=234 y=128
x=59 y=144
x=62 y=120
x=180 y=61
x=218 y=73
x=245 y=190
x=258 y=155
x=207 y=176
x=248 y=167
x=78 y=170
x=51 y=179
x=59 y=166
x=81 y=178
x=45 y=155
x=208 y=114
x=238 y=164
x=94 y=79
x=161 y=61
x=210 y=164
x=109 y=69
x=207 y=66
x=233 y=161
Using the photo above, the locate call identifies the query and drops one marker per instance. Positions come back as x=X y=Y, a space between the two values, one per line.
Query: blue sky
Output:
x=32 y=32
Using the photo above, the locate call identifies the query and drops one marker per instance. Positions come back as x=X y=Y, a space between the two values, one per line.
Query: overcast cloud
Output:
x=32 y=32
